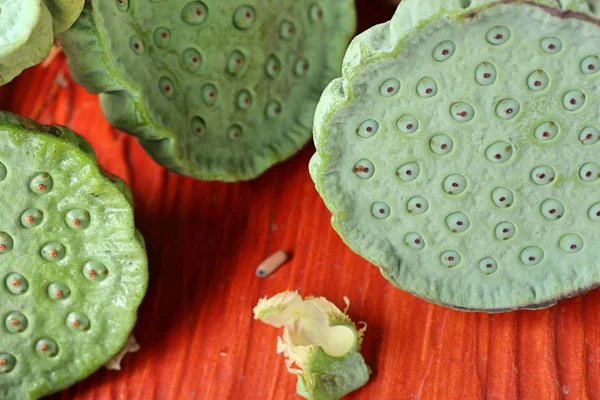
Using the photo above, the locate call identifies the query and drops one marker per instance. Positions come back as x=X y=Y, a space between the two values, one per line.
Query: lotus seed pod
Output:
x=228 y=89
x=490 y=124
x=27 y=30
x=320 y=343
x=69 y=290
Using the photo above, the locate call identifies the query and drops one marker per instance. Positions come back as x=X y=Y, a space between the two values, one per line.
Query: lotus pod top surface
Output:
x=218 y=90
x=459 y=152
x=73 y=269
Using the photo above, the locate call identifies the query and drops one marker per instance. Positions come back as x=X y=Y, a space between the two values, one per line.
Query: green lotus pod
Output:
x=320 y=343
x=27 y=31
x=218 y=90
x=73 y=269
x=459 y=152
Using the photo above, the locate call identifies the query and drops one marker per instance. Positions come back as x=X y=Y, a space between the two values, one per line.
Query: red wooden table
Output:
x=204 y=240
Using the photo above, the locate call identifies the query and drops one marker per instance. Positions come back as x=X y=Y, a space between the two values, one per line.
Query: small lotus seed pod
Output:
x=57 y=245
x=7 y=363
x=417 y=205
x=546 y=131
x=414 y=241
x=257 y=65
x=16 y=283
x=532 y=255
x=505 y=230
x=491 y=127
x=321 y=340
x=46 y=348
x=589 y=135
x=450 y=258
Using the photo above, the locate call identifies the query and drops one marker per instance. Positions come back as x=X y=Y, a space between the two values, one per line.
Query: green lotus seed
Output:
x=315 y=13
x=58 y=291
x=368 y=128
x=538 y=80
x=450 y=258
x=441 y=144
x=47 y=347
x=166 y=87
x=488 y=265
x=455 y=184
x=16 y=322
x=16 y=283
x=95 y=271
x=287 y=30
x=244 y=17
x=192 y=59
x=552 y=209
x=486 y=74
x=244 y=100
x=498 y=35
x=505 y=230
x=380 y=210
x=589 y=136
x=42 y=183
x=236 y=132
x=236 y=65
x=122 y=5
x=571 y=243
x=3 y=171
x=210 y=94
x=417 y=205
x=7 y=363
x=273 y=109
x=78 y=219
x=543 y=175
x=198 y=126
x=532 y=255
x=409 y=172
x=499 y=152
x=546 y=131
x=503 y=197
x=590 y=172
x=273 y=67
x=6 y=242
x=78 y=321
x=594 y=212
x=508 y=109
x=53 y=251
x=590 y=65
x=136 y=44
x=408 y=124
x=390 y=87
x=573 y=100
x=364 y=169
x=32 y=217
x=194 y=13
x=162 y=37
x=301 y=67
x=444 y=50
x=458 y=222
x=427 y=87
x=462 y=112
x=414 y=241
x=551 y=45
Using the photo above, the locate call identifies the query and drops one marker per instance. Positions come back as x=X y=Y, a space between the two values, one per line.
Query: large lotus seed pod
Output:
x=27 y=31
x=214 y=89
x=459 y=152
x=73 y=269
x=320 y=343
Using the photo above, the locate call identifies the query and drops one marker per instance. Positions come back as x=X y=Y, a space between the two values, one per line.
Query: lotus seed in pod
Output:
x=72 y=267
x=479 y=122
x=228 y=88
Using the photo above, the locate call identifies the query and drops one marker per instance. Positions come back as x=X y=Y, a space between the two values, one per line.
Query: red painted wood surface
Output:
x=198 y=338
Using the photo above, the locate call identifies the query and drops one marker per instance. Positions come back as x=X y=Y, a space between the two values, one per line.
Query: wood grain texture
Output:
x=198 y=338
